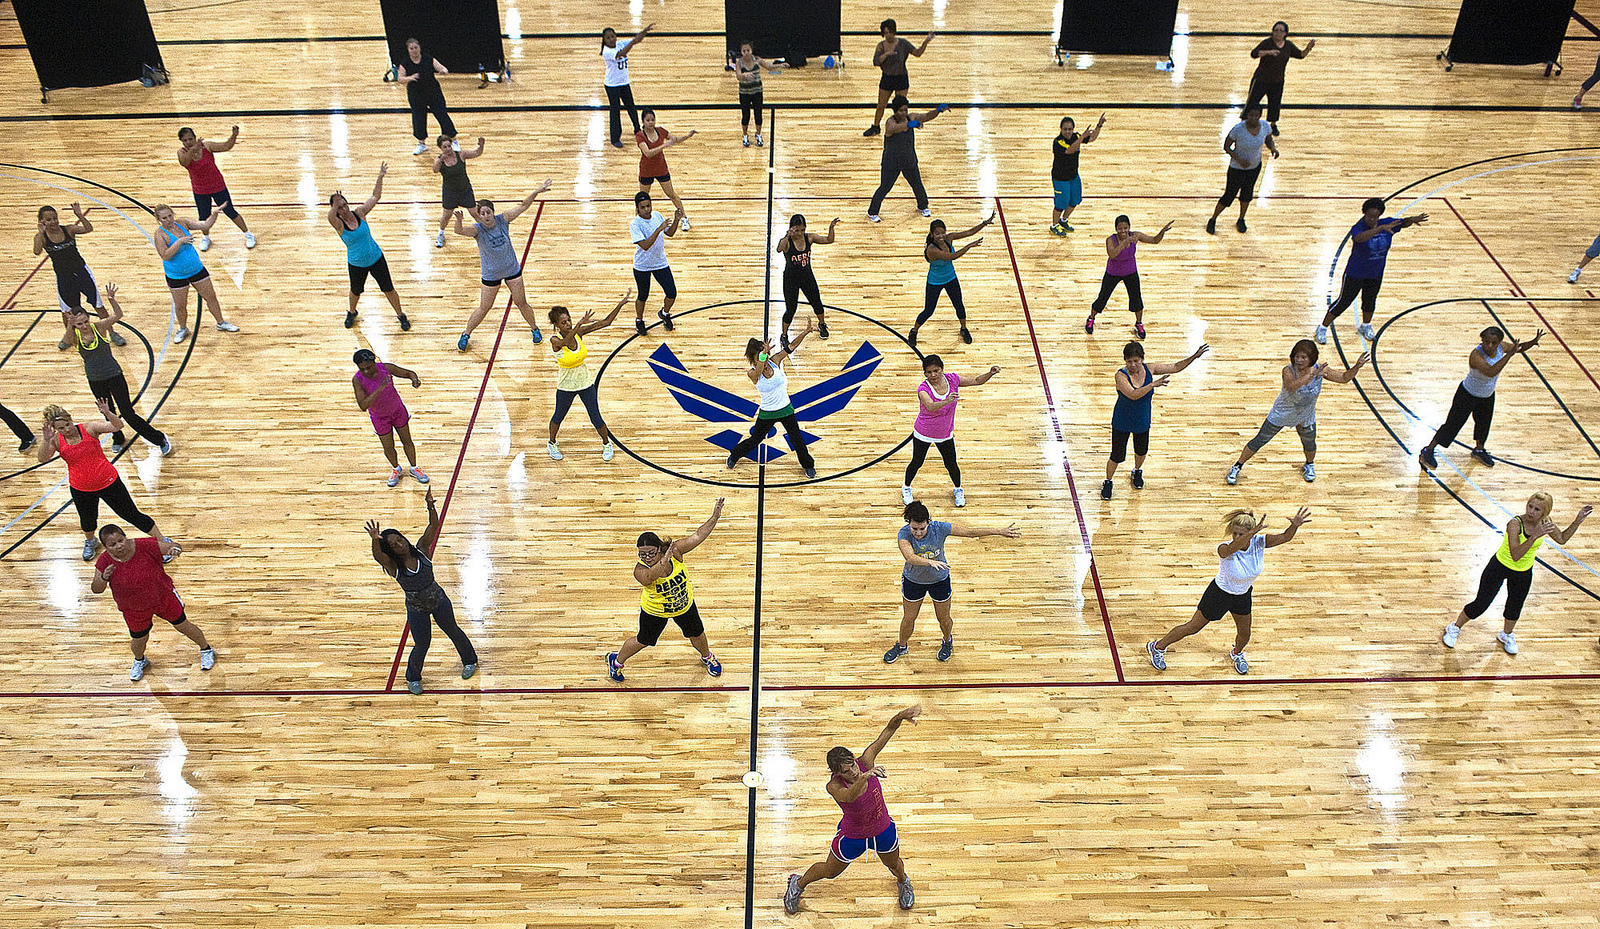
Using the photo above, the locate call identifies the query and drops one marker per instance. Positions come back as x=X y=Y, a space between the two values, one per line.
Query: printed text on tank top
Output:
x=64 y=255
x=797 y=260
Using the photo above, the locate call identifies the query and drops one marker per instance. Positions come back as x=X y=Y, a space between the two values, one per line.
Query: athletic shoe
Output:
x=616 y=144
x=822 y=329
x=417 y=474
x=911 y=337
x=537 y=335
x=945 y=648
x=33 y=440
x=1322 y=335
x=1105 y=490
x=905 y=496
x=926 y=212
x=438 y=240
x=1508 y=641
x=1137 y=479
x=966 y=335
x=907 y=898
x=140 y=665
x=1058 y=229
x=555 y=453
x=872 y=130
x=760 y=141
x=1309 y=472
x=89 y=545
x=1233 y=474
x=811 y=473
x=1428 y=459
x=614 y=667
x=1241 y=226
x=208 y=658
x=1451 y=633
x=961 y=497
x=1088 y=325
x=746 y=141
x=469 y=669
x=350 y=319
x=1573 y=277
x=1239 y=662
x=874 y=218
x=1274 y=128
x=175 y=552
x=607 y=452
x=249 y=240
x=895 y=652
x=455 y=146
x=638 y=326
x=226 y=326
x=394 y=477
x=783 y=340
x=116 y=448
x=180 y=335
x=415 y=687
x=405 y=324
x=685 y=224
x=117 y=339
x=666 y=320
x=1366 y=331
x=461 y=343
x=732 y=462
x=205 y=242
x=1211 y=225
x=65 y=343
x=1138 y=330
x=1577 y=103
x=791 y=895
x=421 y=149
x=1068 y=227
x=1158 y=657
x=1482 y=454
x=713 y=666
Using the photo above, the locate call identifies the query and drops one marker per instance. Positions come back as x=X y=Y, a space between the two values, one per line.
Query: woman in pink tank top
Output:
x=1122 y=267
x=865 y=824
x=936 y=421
x=376 y=393
x=198 y=157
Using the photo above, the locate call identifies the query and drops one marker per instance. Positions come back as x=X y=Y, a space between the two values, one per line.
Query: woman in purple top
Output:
x=1363 y=273
x=936 y=421
x=375 y=393
x=865 y=823
x=1122 y=267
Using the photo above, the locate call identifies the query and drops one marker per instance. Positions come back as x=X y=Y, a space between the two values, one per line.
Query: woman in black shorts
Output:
x=362 y=253
x=797 y=274
x=74 y=282
x=183 y=269
x=456 y=187
x=890 y=55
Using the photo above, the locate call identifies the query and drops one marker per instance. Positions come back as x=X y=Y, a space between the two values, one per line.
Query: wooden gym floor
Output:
x=1360 y=774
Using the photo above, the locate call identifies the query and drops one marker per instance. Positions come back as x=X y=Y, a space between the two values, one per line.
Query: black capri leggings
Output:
x=1241 y=183
x=69 y=287
x=421 y=105
x=591 y=403
x=1109 y=282
x=749 y=103
x=1119 y=444
x=223 y=199
x=930 y=301
x=758 y=432
x=380 y=276
x=641 y=279
x=919 y=454
x=1273 y=93
x=114 y=391
x=1517 y=584
x=19 y=427
x=795 y=283
x=1367 y=287
x=1481 y=409
x=115 y=494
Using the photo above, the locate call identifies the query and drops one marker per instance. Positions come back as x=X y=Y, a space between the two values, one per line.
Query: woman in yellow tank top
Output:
x=1512 y=566
x=575 y=379
x=667 y=595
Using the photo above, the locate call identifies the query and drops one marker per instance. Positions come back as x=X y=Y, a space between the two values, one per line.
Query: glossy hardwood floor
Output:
x=1360 y=773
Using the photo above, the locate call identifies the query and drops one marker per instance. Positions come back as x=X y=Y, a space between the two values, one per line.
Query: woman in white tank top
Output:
x=1475 y=395
x=766 y=372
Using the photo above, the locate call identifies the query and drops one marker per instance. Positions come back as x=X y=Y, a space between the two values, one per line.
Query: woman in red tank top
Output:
x=90 y=476
x=205 y=179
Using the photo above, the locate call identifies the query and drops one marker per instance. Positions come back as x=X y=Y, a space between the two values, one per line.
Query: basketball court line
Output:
x=1208 y=198
x=466 y=438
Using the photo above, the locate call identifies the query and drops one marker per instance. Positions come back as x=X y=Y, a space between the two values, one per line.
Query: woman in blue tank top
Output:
x=500 y=264
x=1136 y=387
x=181 y=264
x=362 y=253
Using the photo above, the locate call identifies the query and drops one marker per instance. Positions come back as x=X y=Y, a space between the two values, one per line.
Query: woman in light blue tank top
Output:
x=497 y=254
x=362 y=252
x=181 y=264
x=941 y=255
x=1297 y=406
x=1475 y=395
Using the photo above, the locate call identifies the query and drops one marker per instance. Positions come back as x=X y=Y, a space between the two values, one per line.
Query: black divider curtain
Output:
x=806 y=28
x=464 y=35
x=87 y=43
x=1121 y=27
x=1510 y=32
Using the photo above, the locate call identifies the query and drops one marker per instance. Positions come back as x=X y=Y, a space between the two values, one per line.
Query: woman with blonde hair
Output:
x=1512 y=566
x=1242 y=557
x=181 y=264
x=90 y=476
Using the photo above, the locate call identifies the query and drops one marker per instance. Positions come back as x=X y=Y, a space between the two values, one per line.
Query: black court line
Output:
x=23 y=338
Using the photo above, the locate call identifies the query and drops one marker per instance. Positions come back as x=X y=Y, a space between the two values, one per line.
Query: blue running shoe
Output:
x=461 y=343
x=713 y=666
x=537 y=335
x=945 y=648
x=614 y=667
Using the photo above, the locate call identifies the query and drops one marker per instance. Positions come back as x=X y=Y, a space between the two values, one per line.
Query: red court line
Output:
x=12 y=299
x=1055 y=423
x=1208 y=198
x=1516 y=289
x=444 y=510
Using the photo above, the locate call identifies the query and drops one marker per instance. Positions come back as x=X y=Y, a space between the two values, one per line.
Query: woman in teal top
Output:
x=941 y=256
x=362 y=253
x=181 y=264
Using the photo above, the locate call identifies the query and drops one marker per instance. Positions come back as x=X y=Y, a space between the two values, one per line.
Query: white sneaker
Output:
x=1233 y=475
x=249 y=240
x=208 y=658
x=685 y=224
x=140 y=666
x=455 y=146
x=180 y=335
x=1239 y=662
x=746 y=141
x=421 y=149
x=961 y=497
x=205 y=242
x=1322 y=335
x=759 y=141
x=89 y=545
x=438 y=241
x=1451 y=633
x=394 y=477
x=1366 y=331
x=555 y=453
x=166 y=447
x=1508 y=641
x=874 y=217
x=927 y=212
x=226 y=326
x=607 y=452
x=1309 y=472
x=905 y=495
x=1573 y=277
x=417 y=474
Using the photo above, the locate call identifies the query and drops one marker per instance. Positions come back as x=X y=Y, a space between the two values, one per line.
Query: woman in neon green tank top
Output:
x=1512 y=566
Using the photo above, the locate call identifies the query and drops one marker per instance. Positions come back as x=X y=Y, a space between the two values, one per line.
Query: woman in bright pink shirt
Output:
x=865 y=824
x=376 y=394
x=936 y=421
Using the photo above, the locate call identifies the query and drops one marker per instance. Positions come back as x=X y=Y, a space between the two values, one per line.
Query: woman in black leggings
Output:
x=74 y=281
x=941 y=255
x=426 y=601
x=106 y=380
x=25 y=436
x=766 y=372
x=1577 y=102
x=90 y=476
x=797 y=275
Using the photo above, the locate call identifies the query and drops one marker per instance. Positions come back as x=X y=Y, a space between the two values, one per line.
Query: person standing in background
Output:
x=1243 y=148
x=890 y=56
x=618 y=89
x=1272 y=59
x=420 y=73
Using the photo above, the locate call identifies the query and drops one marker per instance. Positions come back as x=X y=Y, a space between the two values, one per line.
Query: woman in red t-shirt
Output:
x=140 y=585
x=653 y=144
x=90 y=476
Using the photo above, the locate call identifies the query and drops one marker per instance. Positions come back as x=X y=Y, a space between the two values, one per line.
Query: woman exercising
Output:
x=936 y=421
x=1122 y=267
x=798 y=277
x=575 y=379
x=766 y=372
x=183 y=269
x=89 y=475
x=426 y=601
x=106 y=380
x=498 y=262
x=362 y=254
x=940 y=252
x=1297 y=406
x=74 y=281
x=373 y=383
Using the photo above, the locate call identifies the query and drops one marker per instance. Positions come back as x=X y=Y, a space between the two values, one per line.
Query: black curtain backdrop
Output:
x=807 y=28
x=1510 y=32
x=88 y=43
x=1120 y=27
x=464 y=35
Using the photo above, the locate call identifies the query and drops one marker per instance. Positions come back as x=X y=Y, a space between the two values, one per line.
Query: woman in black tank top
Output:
x=426 y=601
x=795 y=246
x=73 y=280
x=455 y=188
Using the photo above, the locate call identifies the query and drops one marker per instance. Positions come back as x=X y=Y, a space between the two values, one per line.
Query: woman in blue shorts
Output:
x=927 y=574
x=1064 y=171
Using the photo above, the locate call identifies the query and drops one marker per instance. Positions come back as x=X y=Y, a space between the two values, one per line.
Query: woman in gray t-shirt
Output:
x=927 y=573
x=1297 y=405
x=497 y=255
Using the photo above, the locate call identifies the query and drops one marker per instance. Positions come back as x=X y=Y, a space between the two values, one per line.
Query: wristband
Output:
x=914 y=124
x=762 y=358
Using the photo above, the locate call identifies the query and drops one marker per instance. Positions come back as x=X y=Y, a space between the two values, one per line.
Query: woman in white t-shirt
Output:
x=1241 y=558
x=650 y=231
x=618 y=90
x=1243 y=146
